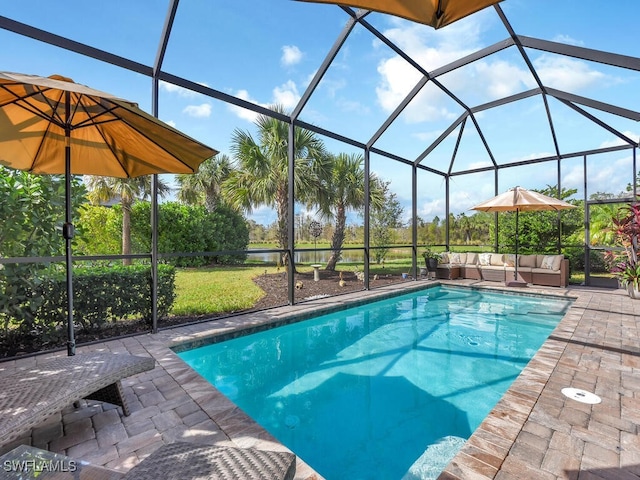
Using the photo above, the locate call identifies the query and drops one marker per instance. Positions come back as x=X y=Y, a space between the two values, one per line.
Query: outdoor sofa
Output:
x=28 y=397
x=545 y=270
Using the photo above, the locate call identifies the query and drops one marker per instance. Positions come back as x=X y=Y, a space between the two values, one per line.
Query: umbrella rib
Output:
x=115 y=156
x=32 y=109
x=22 y=102
x=91 y=120
x=137 y=113
x=40 y=145
x=15 y=95
x=121 y=119
x=53 y=106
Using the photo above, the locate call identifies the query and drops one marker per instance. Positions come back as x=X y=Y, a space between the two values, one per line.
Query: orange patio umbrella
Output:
x=437 y=13
x=519 y=199
x=51 y=125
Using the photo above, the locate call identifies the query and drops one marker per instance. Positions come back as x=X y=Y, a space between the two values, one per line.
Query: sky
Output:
x=268 y=53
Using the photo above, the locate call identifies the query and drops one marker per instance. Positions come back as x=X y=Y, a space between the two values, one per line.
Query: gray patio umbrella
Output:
x=519 y=199
x=55 y=126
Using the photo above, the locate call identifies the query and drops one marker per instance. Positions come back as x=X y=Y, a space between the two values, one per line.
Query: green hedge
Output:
x=190 y=229
x=103 y=295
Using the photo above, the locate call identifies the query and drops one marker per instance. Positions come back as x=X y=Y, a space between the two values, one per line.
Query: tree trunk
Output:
x=210 y=201
x=126 y=232
x=337 y=239
x=282 y=230
x=283 y=223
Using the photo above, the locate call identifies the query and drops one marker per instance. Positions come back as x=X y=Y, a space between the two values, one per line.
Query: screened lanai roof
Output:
x=514 y=84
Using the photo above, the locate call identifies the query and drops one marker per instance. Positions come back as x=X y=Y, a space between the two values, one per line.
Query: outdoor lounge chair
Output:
x=181 y=461
x=28 y=397
x=177 y=461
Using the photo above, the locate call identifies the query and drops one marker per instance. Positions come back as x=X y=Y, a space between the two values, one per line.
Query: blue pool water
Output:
x=387 y=390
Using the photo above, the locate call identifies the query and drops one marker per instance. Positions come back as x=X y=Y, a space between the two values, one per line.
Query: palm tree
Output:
x=127 y=190
x=261 y=173
x=345 y=190
x=601 y=229
x=205 y=185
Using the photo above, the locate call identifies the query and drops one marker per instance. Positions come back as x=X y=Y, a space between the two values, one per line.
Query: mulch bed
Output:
x=275 y=286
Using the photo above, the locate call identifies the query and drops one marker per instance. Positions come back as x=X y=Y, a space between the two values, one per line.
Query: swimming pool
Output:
x=385 y=390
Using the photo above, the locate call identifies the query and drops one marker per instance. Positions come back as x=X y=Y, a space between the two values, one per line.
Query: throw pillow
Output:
x=444 y=258
x=509 y=260
x=547 y=262
x=527 y=261
x=557 y=261
x=497 y=260
x=454 y=258
x=485 y=259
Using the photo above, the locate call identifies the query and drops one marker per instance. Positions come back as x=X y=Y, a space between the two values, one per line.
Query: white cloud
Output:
x=531 y=156
x=181 y=92
x=427 y=136
x=500 y=79
x=482 y=81
x=616 y=141
x=434 y=207
x=352 y=106
x=479 y=164
x=610 y=176
x=171 y=88
x=309 y=78
x=333 y=85
x=198 y=111
x=170 y=123
x=286 y=95
x=568 y=74
x=291 y=55
x=562 y=38
x=432 y=50
x=396 y=81
x=243 y=113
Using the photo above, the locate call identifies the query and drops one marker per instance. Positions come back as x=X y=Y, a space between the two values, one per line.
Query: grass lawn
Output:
x=216 y=290
x=231 y=288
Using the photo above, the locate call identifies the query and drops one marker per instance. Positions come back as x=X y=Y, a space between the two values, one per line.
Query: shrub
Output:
x=102 y=230
x=32 y=212
x=191 y=229
x=106 y=294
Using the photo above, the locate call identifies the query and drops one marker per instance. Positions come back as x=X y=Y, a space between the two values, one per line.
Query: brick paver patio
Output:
x=534 y=432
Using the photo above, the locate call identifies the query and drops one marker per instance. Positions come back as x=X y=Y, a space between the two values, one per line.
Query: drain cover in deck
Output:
x=581 y=395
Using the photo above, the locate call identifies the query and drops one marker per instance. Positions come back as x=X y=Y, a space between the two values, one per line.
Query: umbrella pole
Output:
x=67 y=228
x=515 y=282
x=515 y=275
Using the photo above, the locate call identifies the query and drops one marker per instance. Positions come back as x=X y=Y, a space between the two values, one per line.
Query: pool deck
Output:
x=534 y=432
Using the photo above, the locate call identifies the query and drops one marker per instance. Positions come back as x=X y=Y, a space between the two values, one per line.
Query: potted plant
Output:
x=625 y=266
x=431 y=260
x=630 y=276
